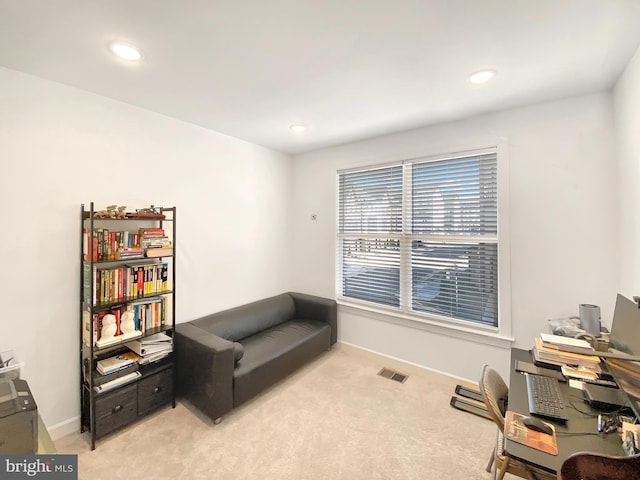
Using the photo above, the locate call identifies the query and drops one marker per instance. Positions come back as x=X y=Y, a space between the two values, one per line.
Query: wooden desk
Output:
x=568 y=441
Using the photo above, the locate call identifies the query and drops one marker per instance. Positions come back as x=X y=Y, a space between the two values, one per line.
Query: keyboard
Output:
x=545 y=398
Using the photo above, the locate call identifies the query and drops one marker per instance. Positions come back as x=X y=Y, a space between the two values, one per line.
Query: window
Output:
x=421 y=236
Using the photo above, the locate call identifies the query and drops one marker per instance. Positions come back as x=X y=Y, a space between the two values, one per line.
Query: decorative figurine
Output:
x=109 y=327
x=127 y=325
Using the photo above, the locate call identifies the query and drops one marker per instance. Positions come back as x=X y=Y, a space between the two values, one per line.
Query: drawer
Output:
x=116 y=409
x=155 y=391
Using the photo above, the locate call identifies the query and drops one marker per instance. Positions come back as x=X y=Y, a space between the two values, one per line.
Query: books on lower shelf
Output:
x=152 y=348
x=99 y=379
x=128 y=378
x=111 y=364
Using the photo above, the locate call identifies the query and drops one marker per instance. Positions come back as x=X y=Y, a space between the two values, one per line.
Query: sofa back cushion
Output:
x=246 y=320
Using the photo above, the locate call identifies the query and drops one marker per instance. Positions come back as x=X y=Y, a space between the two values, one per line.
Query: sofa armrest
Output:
x=317 y=308
x=205 y=364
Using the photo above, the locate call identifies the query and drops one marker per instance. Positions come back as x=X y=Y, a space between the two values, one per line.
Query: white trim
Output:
x=457 y=153
x=59 y=430
x=488 y=336
x=343 y=344
x=366 y=168
x=504 y=329
x=452 y=155
x=504 y=240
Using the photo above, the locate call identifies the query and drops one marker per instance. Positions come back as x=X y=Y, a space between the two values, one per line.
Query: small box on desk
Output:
x=10 y=366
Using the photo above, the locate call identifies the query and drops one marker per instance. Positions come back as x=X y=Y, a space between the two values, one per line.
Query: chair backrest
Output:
x=495 y=394
x=593 y=466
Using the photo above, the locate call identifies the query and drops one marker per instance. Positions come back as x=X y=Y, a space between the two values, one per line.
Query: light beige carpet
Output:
x=333 y=419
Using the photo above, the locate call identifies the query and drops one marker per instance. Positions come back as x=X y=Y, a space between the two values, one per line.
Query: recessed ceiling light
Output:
x=125 y=51
x=483 y=76
x=297 y=128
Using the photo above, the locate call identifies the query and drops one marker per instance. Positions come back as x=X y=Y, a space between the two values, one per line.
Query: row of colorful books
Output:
x=104 y=245
x=125 y=282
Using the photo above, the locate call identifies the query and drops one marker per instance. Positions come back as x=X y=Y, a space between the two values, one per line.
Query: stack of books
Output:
x=155 y=242
x=152 y=348
x=126 y=253
x=116 y=371
x=546 y=351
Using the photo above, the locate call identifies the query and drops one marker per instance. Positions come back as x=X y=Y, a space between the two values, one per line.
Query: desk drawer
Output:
x=155 y=391
x=116 y=409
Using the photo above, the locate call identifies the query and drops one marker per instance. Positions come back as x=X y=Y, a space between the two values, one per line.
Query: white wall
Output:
x=626 y=97
x=60 y=147
x=563 y=223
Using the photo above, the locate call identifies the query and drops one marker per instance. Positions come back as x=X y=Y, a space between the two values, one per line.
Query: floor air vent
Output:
x=392 y=375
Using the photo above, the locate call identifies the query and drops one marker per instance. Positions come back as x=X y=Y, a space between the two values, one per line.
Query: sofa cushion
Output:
x=246 y=320
x=238 y=351
x=273 y=354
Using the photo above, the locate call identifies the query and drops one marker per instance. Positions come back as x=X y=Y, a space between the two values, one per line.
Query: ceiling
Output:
x=347 y=69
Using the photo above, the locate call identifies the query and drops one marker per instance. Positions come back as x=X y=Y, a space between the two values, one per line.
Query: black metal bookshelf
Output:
x=107 y=411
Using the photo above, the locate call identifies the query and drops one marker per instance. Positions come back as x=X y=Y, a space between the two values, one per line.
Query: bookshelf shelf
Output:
x=132 y=298
x=103 y=305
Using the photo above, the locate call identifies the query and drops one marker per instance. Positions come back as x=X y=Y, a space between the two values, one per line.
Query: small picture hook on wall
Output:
x=314 y=217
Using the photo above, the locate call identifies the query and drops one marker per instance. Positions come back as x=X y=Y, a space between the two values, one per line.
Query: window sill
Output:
x=460 y=332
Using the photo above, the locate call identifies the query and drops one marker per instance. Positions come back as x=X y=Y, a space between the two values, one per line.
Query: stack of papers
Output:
x=554 y=356
x=555 y=341
x=580 y=373
x=152 y=348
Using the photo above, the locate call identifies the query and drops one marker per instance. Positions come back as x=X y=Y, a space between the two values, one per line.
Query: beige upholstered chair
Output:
x=495 y=394
x=593 y=466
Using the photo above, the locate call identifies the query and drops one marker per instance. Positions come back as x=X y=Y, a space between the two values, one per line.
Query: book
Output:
x=515 y=430
x=99 y=379
x=128 y=378
x=143 y=349
x=159 y=252
x=579 y=373
x=557 y=357
x=111 y=364
x=130 y=253
x=155 y=242
x=85 y=244
x=154 y=357
x=154 y=231
x=157 y=338
x=553 y=341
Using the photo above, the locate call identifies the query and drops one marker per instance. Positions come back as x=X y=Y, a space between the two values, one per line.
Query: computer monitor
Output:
x=627 y=376
x=625 y=337
x=625 y=327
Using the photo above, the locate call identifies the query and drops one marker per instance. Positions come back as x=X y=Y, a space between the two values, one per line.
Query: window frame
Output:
x=441 y=324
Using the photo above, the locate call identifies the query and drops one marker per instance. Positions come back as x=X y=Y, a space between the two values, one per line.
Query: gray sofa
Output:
x=226 y=358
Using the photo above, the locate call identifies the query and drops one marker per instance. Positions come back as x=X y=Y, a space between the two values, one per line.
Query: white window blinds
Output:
x=369 y=226
x=422 y=236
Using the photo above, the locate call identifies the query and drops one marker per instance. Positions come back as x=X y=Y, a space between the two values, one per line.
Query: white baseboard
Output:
x=407 y=363
x=66 y=427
